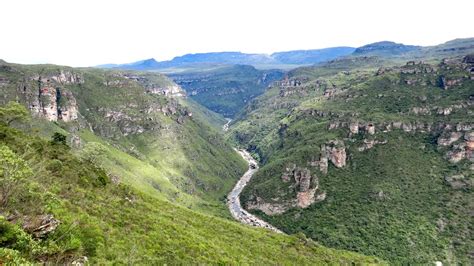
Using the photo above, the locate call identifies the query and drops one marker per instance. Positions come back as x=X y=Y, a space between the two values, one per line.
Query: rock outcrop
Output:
x=459 y=181
x=336 y=153
x=41 y=225
x=305 y=185
x=370 y=143
x=170 y=91
x=449 y=138
x=51 y=100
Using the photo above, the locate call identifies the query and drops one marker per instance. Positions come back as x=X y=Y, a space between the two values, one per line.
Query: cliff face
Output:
x=46 y=95
x=95 y=98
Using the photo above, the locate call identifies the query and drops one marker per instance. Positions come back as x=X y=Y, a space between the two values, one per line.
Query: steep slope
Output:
x=66 y=210
x=156 y=140
x=372 y=159
x=227 y=89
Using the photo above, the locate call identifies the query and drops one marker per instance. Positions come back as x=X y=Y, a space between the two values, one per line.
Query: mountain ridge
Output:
x=288 y=59
x=296 y=57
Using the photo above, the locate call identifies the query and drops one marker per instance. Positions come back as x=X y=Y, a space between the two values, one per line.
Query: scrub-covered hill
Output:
x=369 y=155
x=65 y=209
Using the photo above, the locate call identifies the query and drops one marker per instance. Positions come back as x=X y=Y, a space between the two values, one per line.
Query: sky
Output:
x=92 y=32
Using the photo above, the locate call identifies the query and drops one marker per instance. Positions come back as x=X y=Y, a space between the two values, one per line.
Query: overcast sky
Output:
x=91 y=32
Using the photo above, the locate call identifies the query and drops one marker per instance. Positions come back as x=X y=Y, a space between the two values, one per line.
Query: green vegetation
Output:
x=226 y=89
x=166 y=146
x=116 y=223
x=13 y=170
x=392 y=200
x=120 y=175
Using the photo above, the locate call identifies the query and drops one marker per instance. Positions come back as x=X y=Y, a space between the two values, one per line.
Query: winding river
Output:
x=233 y=200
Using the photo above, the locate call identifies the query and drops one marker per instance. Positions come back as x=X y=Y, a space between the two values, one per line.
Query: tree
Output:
x=58 y=138
x=12 y=112
x=13 y=170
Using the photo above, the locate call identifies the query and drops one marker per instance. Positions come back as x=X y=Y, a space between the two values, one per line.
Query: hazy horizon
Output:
x=88 y=33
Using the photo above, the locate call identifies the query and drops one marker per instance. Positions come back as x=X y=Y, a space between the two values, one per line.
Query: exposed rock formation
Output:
x=370 y=129
x=41 y=225
x=268 y=208
x=51 y=101
x=171 y=91
x=63 y=77
x=421 y=111
x=370 y=143
x=456 y=155
x=323 y=160
x=336 y=152
x=305 y=185
x=459 y=181
x=67 y=109
x=449 y=138
x=354 y=127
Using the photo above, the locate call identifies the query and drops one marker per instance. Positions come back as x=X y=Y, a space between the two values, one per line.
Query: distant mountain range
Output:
x=293 y=59
x=275 y=60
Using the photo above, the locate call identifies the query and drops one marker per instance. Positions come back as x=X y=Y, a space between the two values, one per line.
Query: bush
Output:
x=54 y=166
x=58 y=138
x=13 y=170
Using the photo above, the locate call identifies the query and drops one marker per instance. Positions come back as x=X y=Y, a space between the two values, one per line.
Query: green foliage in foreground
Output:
x=117 y=224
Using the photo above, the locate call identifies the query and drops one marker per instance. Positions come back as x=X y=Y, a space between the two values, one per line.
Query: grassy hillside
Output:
x=92 y=218
x=154 y=138
x=386 y=151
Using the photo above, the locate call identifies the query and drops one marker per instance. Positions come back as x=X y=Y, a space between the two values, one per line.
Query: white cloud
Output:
x=90 y=32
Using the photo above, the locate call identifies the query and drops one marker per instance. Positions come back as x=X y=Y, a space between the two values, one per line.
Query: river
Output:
x=233 y=200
